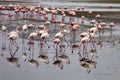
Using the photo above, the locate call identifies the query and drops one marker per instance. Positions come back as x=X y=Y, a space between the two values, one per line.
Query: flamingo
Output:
x=3 y=28
x=82 y=8
x=75 y=27
x=43 y=57
x=111 y=25
x=56 y=41
x=83 y=44
x=17 y=9
x=93 y=22
x=77 y=8
x=97 y=17
x=24 y=27
x=93 y=30
x=32 y=35
x=82 y=17
x=31 y=38
x=44 y=36
x=31 y=26
x=58 y=63
x=83 y=34
x=12 y=59
x=101 y=26
x=59 y=35
x=110 y=6
x=90 y=12
x=61 y=25
x=47 y=22
x=32 y=61
x=42 y=26
x=63 y=17
x=12 y=36
x=92 y=33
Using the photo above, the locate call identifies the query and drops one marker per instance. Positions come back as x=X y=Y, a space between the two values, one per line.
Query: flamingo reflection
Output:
x=12 y=59
x=86 y=64
x=64 y=58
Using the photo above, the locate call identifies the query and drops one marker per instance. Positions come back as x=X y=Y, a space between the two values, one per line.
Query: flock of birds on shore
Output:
x=86 y=47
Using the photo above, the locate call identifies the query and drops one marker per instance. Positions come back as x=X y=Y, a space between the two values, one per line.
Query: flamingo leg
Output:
x=47 y=43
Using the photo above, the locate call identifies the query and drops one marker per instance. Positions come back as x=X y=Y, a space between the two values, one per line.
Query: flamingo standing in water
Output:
x=92 y=31
x=43 y=57
x=44 y=36
x=61 y=35
x=111 y=25
x=9 y=8
x=74 y=28
x=3 y=28
x=98 y=17
x=93 y=22
x=56 y=43
x=31 y=38
x=24 y=28
x=58 y=63
x=84 y=44
x=12 y=36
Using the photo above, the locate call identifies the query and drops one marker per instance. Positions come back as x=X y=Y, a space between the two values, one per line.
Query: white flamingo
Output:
x=3 y=28
x=12 y=36
x=44 y=36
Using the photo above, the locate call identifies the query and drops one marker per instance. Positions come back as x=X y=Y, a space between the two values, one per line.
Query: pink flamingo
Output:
x=112 y=24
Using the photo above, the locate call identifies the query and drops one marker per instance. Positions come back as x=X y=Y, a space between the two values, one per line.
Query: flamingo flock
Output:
x=64 y=29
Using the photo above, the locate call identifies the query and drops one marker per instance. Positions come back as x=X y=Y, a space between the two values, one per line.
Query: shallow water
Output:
x=107 y=67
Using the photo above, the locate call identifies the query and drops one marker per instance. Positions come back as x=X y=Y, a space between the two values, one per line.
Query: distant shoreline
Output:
x=17 y=2
x=98 y=1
